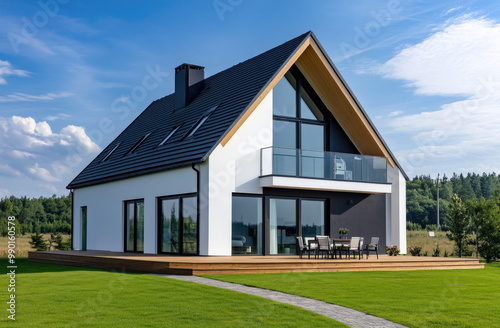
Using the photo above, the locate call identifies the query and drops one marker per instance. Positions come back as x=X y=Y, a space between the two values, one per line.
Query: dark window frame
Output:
x=125 y=231
x=159 y=225
x=264 y=235
x=301 y=82
x=298 y=215
x=84 y=245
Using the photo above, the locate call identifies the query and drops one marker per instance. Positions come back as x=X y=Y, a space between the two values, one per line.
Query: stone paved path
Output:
x=345 y=315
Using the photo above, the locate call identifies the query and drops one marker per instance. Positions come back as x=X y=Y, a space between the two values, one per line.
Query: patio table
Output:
x=339 y=245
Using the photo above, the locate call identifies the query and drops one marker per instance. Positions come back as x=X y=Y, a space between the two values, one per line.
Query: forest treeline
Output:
x=421 y=196
x=43 y=215
x=53 y=214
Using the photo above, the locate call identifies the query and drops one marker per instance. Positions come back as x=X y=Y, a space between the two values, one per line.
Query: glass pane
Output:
x=313 y=162
x=282 y=226
x=130 y=226
x=284 y=134
x=84 y=228
x=247 y=225
x=285 y=161
x=284 y=97
x=190 y=225
x=140 y=227
x=308 y=108
x=169 y=226
x=312 y=214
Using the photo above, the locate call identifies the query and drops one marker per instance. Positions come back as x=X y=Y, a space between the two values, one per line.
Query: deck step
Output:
x=126 y=262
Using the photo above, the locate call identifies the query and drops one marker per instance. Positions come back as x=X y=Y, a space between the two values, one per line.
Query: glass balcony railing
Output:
x=323 y=165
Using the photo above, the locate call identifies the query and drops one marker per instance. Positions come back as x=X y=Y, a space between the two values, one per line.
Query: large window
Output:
x=178 y=225
x=292 y=217
x=134 y=226
x=247 y=225
x=299 y=128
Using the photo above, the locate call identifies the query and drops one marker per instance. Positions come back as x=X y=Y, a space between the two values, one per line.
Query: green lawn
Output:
x=441 y=298
x=55 y=296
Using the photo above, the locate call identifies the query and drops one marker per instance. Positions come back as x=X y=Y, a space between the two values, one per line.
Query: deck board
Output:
x=197 y=265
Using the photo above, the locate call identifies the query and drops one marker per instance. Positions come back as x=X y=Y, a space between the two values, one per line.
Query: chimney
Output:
x=188 y=83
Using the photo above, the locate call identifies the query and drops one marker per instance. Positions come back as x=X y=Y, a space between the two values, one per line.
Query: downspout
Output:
x=197 y=208
x=72 y=216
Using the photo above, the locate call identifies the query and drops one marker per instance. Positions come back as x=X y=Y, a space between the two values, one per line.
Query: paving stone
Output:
x=345 y=315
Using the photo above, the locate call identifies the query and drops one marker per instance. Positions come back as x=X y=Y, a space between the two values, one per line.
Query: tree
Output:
x=486 y=219
x=458 y=223
x=38 y=243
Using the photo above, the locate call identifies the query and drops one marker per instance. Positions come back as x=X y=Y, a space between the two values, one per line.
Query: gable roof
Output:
x=235 y=92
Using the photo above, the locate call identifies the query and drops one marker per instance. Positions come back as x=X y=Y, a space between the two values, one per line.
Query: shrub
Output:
x=426 y=253
x=415 y=250
x=392 y=250
x=431 y=227
x=437 y=251
x=411 y=226
x=38 y=243
x=445 y=253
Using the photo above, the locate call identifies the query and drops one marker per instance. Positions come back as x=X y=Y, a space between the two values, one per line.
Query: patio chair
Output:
x=304 y=247
x=323 y=245
x=356 y=246
x=311 y=243
x=372 y=246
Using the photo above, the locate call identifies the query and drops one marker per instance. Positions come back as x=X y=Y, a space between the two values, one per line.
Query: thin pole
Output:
x=438 y=202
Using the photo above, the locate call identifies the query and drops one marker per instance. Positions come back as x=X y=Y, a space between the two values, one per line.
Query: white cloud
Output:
x=453 y=61
x=458 y=59
x=6 y=69
x=61 y=116
x=21 y=154
x=18 y=96
x=6 y=170
x=35 y=151
x=395 y=113
x=42 y=173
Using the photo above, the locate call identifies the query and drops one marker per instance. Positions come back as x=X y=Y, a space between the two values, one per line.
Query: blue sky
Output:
x=74 y=74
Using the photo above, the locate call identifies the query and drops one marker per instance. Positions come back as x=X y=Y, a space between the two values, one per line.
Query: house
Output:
x=241 y=162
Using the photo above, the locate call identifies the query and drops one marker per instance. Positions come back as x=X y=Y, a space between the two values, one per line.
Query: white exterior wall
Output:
x=105 y=207
x=235 y=168
x=396 y=210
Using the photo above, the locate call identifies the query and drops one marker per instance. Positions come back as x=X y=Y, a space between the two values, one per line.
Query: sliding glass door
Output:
x=292 y=217
x=134 y=226
x=178 y=225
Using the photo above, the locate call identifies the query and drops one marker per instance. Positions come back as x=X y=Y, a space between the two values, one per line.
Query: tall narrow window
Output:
x=178 y=225
x=299 y=128
x=134 y=226
x=247 y=225
x=84 y=227
x=110 y=152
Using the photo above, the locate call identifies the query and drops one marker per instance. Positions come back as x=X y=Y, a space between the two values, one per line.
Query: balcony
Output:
x=329 y=166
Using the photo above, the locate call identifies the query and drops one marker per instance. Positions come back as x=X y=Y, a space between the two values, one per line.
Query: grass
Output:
x=440 y=298
x=421 y=238
x=22 y=244
x=54 y=296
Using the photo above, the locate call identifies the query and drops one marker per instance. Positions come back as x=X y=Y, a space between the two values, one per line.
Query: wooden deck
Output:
x=197 y=265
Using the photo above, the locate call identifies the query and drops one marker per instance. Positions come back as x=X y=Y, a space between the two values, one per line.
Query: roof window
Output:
x=169 y=135
x=200 y=122
x=110 y=152
x=134 y=148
